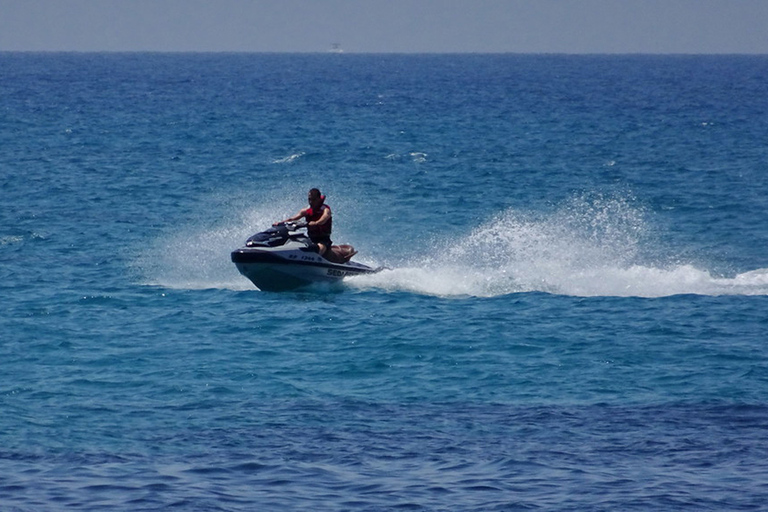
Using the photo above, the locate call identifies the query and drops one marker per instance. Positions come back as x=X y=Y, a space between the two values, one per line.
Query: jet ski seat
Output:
x=340 y=253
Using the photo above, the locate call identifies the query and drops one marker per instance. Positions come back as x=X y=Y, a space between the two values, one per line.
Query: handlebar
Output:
x=294 y=225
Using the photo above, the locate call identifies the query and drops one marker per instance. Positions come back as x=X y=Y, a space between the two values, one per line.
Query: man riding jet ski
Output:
x=319 y=220
x=282 y=258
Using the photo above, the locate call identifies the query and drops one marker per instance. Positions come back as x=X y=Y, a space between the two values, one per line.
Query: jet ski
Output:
x=284 y=258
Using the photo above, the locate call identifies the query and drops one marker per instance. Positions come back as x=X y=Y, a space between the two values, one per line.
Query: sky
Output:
x=387 y=26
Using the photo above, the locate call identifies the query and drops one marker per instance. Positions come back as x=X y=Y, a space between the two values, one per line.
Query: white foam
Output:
x=198 y=256
x=634 y=281
x=590 y=247
x=289 y=159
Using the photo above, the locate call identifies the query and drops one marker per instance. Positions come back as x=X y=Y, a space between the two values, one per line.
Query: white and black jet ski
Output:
x=283 y=258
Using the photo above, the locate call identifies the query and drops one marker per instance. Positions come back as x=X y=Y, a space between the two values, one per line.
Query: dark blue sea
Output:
x=574 y=315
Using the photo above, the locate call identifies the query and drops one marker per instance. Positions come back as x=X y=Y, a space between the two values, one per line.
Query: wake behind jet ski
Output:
x=283 y=258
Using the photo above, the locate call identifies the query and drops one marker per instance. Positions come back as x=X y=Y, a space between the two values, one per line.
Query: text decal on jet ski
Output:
x=336 y=273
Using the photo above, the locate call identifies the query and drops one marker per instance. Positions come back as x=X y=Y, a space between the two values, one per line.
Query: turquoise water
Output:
x=574 y=317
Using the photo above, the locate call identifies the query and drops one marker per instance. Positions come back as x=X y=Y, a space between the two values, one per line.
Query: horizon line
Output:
x=414 y=53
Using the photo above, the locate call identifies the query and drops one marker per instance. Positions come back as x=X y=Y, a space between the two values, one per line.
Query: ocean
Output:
x=574 y=314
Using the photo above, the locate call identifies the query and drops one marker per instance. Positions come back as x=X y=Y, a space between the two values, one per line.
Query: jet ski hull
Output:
x=287 y=270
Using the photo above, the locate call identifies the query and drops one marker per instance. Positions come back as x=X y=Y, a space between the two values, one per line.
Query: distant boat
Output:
x=336 y=48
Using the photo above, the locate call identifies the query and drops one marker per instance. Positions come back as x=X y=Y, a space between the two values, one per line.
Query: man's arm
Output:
x=291 y=219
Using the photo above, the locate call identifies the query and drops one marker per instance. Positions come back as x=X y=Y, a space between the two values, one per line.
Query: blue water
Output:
x=575 y=315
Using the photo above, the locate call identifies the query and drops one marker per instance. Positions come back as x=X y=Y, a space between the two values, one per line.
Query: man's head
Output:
x=315 y=198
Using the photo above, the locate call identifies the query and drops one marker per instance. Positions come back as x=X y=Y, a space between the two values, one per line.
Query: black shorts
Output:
x=325 y=240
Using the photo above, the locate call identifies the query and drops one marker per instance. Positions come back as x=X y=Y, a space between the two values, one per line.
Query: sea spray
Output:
x=197 y=255
x=593 y=245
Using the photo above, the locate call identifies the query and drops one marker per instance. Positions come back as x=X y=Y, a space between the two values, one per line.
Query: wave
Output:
x=289 y=159
x=590 y=247
x=197 y=257
x=635 y=281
